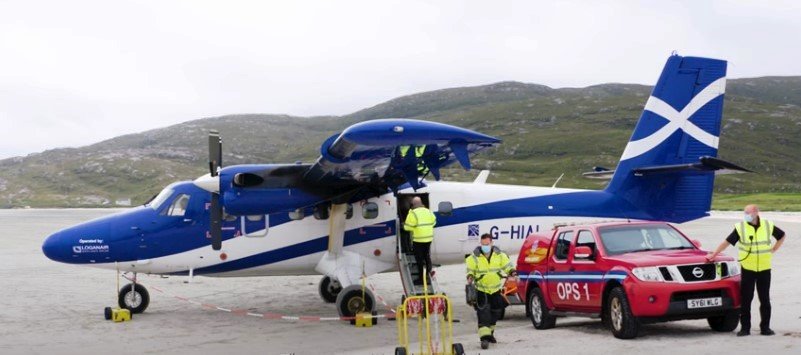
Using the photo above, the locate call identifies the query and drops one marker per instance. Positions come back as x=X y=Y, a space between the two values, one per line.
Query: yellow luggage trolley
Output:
x=434 y=316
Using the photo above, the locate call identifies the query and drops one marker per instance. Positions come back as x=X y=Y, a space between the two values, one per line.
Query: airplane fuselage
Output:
x=161 y=238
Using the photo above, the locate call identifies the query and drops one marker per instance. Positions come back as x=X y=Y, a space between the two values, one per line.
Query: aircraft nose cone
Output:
x=54 y=247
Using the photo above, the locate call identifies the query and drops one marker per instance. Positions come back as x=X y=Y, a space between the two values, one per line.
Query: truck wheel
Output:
x=624 y=325
x=540 y=315
x=724 y=323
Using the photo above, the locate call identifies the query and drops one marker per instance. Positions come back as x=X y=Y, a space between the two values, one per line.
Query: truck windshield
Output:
x=628 y=239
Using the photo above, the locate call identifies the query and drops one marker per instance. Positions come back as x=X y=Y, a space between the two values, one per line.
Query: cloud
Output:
x=73 y=73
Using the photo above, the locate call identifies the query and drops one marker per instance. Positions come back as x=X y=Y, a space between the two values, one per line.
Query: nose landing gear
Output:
x=134 y=297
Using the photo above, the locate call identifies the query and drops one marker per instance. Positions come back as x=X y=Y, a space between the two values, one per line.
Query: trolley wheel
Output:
x=107 y=313
x=136 y=299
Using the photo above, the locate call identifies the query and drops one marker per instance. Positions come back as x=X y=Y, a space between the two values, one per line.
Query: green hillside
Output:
x=545 y=132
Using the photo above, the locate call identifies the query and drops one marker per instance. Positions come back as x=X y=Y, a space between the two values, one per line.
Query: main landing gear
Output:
x=329 y=289
x=349 y=300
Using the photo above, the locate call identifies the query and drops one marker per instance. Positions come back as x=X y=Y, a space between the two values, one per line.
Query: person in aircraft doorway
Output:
x=420 y=223
x=755 y=254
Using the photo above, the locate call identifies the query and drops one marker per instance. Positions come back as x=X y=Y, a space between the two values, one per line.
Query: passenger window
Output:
x=445 y=208
x=178 y=206
x=370 y=210
x=563 y=245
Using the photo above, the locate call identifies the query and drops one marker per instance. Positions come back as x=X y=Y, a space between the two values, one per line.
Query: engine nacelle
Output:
x=265 y=189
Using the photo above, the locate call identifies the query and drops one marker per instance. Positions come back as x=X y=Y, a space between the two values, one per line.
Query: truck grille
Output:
x=698 y=272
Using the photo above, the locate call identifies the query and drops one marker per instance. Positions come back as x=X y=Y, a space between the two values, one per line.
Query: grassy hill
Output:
x=546 y=132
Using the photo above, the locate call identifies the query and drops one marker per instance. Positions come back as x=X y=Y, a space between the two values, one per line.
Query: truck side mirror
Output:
x=583 y=252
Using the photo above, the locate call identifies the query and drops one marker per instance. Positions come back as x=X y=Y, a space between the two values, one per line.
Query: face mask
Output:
x=486 y=249
x=749 y=218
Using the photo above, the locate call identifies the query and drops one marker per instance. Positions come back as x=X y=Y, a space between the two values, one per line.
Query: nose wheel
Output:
x=134 y=297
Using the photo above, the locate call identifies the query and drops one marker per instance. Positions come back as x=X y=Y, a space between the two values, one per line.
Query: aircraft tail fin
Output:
x=665 y=169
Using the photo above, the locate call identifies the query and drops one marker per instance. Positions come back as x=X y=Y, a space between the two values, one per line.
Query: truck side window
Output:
x=585 y=239
x=563 y=245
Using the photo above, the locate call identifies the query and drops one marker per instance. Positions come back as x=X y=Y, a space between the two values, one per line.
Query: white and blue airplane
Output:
x=340 y=217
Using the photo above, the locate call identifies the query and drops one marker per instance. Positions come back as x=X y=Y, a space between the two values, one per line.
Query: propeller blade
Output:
x=215 y=224
x=215 y=152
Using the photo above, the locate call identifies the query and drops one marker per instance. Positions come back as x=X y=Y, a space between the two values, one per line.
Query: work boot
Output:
x=492 y=339
x=485 y=344
x=767 y=332
x=743 y=333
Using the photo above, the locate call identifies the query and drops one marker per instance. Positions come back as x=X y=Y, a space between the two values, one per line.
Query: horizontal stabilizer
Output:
x=719 y=166
x=599 y=173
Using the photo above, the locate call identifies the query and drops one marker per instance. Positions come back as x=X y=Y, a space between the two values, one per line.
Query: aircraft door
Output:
x=404 y=206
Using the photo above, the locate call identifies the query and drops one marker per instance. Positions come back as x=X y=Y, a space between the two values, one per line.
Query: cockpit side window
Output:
x=178 y=206
x=157 y=201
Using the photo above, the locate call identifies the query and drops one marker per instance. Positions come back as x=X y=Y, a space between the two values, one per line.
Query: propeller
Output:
x=215 y=163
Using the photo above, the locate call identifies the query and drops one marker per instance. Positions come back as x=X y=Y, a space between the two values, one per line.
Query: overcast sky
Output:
x=74 y=72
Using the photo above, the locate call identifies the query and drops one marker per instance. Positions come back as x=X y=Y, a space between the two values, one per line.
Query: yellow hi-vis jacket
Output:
x=754 y=245
x=418 y=153
x=488 y=274
x=420 y=222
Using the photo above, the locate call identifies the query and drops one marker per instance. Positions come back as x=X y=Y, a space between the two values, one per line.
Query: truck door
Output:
x=559 y=271
x=587 y=275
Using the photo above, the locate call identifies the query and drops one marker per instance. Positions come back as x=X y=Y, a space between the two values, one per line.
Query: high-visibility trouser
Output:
x=489 y=308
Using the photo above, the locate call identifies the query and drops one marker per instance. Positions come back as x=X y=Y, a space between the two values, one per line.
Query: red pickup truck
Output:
x=627 y=274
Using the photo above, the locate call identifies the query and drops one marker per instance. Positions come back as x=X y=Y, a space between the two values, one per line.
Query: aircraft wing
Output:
x=392 y=152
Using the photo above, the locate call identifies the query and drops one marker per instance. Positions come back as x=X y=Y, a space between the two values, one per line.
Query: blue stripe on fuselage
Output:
x=353 y=236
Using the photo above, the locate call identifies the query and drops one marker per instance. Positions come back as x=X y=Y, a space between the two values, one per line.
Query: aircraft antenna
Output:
x=557 y=180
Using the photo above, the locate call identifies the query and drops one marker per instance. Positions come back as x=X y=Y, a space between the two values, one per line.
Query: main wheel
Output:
x=540 y=315
x=624 y=324
x=352 y=300
x=136 y=299
x=329 y=288
x=724 y=323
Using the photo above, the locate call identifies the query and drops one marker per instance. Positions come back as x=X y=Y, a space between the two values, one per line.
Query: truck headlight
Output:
x=650 y=273
x=734 y=268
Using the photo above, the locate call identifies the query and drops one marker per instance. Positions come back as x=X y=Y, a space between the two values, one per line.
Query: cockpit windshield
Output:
x=160 y=198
